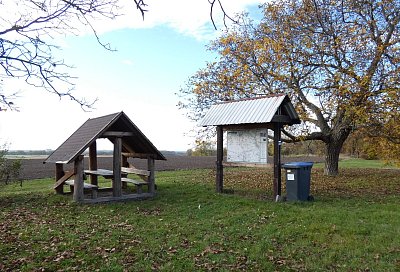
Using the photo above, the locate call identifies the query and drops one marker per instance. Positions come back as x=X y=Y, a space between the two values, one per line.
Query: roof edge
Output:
x=76 y=154
x=95 y=137
x=251 y=98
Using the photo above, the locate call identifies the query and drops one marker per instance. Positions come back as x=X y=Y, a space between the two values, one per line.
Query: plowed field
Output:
x=35 y=169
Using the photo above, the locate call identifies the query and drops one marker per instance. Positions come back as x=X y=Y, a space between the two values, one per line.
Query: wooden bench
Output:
x=137 y=183
x=143 y=174
x=100 y=172
x=87 y=186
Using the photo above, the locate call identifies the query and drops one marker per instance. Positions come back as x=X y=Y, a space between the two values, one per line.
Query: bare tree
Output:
x=27 y=40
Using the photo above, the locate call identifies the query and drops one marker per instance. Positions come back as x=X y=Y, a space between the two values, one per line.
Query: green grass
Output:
x=361 y=163
x=353 y=225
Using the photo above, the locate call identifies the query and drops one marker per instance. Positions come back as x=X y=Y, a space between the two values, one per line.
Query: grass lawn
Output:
x=353 y=225
x=361 y=163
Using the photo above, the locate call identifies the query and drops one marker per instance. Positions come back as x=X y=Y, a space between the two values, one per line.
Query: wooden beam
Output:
x=117 y=134
x=151 y=178
x=117 y=183
x=248 y=126
x=277 y=161
x=124 y=161
x=93 y=162
x=219 y=179
x=78 y=180
x=61 y=181
x=58 y=175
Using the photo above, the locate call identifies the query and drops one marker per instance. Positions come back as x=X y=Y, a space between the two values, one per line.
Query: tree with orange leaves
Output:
x=339 y=61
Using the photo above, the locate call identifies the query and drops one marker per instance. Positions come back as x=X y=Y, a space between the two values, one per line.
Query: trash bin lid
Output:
x=298 y=165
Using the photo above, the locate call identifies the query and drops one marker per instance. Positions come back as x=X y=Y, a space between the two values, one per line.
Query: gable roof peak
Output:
x=93 y=129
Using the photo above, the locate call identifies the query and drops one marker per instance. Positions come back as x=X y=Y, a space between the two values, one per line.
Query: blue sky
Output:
x=149 y=63
x=153 y=60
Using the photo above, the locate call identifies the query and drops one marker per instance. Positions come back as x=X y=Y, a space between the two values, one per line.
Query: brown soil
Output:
x=35 y=169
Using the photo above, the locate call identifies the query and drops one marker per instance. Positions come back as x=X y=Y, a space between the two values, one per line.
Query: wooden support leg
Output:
x=94 y=193
x=139 y=189
x=93 y=162
x=219 y=179
x=151 y=178
x=124 y=163
x=117 y=183
x=59 y=174
x=277 y=161
x=78 y=181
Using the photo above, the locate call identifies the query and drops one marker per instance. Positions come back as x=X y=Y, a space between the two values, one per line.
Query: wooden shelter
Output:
x=128 y=141
x=271 y=112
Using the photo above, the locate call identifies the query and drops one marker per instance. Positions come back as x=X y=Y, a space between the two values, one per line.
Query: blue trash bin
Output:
x=298 y=175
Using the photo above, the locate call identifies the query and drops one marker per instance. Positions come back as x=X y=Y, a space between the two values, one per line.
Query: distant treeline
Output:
x=29 y=152
x=99 y=152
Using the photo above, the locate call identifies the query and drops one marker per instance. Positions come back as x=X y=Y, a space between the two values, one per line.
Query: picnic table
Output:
x=109 y=174
x=101 y=172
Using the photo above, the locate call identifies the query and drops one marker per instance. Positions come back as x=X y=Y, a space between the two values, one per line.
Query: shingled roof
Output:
x=258 y=110
x=92 y=129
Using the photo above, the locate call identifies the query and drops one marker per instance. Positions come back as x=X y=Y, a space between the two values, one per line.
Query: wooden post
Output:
x=124 y=161
x=277 y=160
x=93 y=162
x=78 y=182
x=116 y=182
x=151 y=178
x=219 y=179
x=59 y=174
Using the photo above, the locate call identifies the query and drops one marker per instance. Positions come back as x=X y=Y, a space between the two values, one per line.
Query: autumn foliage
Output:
x=337 y=60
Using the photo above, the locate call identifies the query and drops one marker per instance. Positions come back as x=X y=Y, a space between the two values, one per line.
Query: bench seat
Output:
x=130 y=170
x=87 y=186
x=137 y=183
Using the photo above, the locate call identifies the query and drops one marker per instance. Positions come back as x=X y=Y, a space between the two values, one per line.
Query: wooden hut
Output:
x=128 y=142
x=267 y=112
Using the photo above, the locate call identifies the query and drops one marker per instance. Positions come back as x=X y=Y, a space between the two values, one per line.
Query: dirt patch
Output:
x=35 y=169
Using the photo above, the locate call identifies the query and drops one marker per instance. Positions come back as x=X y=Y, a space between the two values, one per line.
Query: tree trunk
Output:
x=332 y=151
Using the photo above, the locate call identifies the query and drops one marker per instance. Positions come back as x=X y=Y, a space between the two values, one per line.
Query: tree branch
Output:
x=140 y=5
x=225 y=15
x=309 y=137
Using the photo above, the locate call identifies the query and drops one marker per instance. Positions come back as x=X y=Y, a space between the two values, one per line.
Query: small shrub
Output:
x=9 y=169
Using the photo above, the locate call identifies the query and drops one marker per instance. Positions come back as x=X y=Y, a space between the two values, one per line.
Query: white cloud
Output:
x=44 y=121
x=127 y=62
x=188 y=17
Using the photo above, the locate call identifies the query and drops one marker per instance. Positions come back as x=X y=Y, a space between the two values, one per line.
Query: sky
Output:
x=154 y=58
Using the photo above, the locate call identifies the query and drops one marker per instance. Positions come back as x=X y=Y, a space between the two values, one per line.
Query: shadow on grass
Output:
x=350 y=183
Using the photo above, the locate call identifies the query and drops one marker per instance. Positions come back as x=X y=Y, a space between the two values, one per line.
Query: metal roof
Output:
x=93 y=129
x=250 y=111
